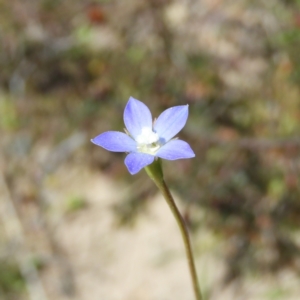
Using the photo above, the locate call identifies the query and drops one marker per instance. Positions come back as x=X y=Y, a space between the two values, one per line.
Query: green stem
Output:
x=155 y=173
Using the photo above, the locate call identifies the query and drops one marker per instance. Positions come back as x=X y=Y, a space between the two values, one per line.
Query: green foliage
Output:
x=11 y=280
x=276 y=294
x=8 y=114
x=75 y=203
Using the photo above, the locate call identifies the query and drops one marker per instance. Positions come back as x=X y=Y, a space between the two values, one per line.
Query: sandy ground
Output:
x=145 y=261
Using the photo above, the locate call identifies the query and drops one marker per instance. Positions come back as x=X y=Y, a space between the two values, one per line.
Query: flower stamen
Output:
x=148 y=141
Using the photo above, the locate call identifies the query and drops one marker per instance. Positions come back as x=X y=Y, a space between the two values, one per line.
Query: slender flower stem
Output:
x=155 y=173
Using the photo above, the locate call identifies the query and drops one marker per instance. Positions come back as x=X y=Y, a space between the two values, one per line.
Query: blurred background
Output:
x=74 y=224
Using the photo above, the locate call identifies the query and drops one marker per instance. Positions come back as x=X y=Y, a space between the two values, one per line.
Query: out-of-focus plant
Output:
x=12 y=283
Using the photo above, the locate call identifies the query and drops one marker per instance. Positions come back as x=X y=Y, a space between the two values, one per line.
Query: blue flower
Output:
x=145 y=140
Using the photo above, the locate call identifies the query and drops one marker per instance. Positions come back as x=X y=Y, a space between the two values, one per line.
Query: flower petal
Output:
x=171 y=121
x=175 y=149
x=136 y=161
x=136 y=116
x=115 y=141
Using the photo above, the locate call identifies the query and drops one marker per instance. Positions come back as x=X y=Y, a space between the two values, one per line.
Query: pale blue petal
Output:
x=175 y=149
x=136 y=116
x=115 y=141
x=137 y=161
x=171 y=121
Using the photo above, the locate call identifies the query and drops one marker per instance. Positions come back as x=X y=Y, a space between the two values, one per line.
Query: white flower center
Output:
x=147 y=136
x=148 y=141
